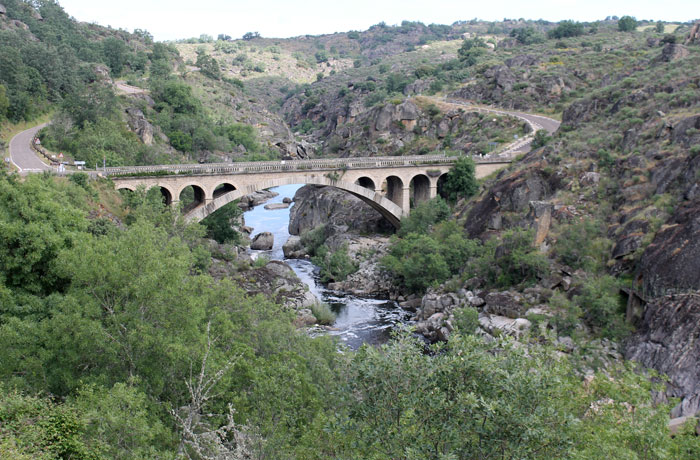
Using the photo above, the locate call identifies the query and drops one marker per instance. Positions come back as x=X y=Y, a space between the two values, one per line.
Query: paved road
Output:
x=537 y=122
x=22 y=155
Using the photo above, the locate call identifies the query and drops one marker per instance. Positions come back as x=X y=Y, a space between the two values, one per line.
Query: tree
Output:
x=224 y=37
x=250 y=36
x=115 y=51
x=461 y=180
x=627 y=24
x=527 y=35
x=220 y=223
x=566 y=29
x=470 y=50
x=660 y=27
x=208 y=66
x=4 y=102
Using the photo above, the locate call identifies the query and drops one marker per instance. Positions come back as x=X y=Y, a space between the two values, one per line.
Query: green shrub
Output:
x=466 y=319
x=583 y=245
x=314 y=239
x=424 y=216
x=323 y=313
x=602 y=306
x=334 y=265
x=417 y=262
x=220 y=224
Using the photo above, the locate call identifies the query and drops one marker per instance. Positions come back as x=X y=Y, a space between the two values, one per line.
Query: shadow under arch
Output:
x=388 y=209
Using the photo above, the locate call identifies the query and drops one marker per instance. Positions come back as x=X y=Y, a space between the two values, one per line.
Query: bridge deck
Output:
x=295 y=165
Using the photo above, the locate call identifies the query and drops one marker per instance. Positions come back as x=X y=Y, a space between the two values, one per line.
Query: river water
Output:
x=358 y=319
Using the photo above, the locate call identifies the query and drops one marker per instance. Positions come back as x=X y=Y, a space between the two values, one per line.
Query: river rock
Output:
x=506 y=303
x=287 y=200
x=273 y=206
x=263 y=241
x=254 y=199
x=494 y=324
x=293 y=249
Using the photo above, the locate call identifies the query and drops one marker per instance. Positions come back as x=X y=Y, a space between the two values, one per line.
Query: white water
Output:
x=358 y=319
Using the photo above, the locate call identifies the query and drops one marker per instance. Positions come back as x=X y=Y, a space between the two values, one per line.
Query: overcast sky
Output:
x=173 y=19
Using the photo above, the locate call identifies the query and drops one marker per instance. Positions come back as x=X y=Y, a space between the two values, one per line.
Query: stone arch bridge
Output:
x=388 y=184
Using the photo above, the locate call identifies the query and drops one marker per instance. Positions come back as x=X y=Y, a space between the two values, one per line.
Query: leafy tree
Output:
x=659 y=27
x=541 y=139
x=527 y=35
x=250 y=36
x=471 y=50
x=4 y=102
x=334 y=265
x=208 y=66
x=627 y=24
x=566 y=29
x=220 y=224
x=115 y=52
x=461 y=180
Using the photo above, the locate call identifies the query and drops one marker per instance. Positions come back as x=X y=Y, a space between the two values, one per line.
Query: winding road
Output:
x=22 y=155
x=536 y=122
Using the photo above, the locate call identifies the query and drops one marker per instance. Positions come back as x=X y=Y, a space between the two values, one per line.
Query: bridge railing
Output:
x=293 y=165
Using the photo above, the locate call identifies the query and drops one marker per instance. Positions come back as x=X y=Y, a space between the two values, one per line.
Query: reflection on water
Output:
x=359 y=320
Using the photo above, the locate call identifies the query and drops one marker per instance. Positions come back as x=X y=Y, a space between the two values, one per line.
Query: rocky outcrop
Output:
x=671 y=263
x=293 y=249
x=254 y=199
x=139 y=125
x=673 y=51
x=668 y=341
x=263 y=241
x=512 y=193
x=314 y=206
x=369 y=279
x=278 y=281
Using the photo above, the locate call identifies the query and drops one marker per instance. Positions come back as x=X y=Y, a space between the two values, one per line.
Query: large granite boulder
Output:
x=314 y=206
x=263 y=241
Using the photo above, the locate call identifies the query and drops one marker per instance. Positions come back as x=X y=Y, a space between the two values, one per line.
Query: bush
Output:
x=466 y=319
x=461 y=180
x=334 y=265
x=566 y=29
x=220 y=224
x=312 y=240
x=417 y=261
x=510 y=261
x=323 y=313
x=627 y=24
x=602 y=307
x=583 y=245
x=541 y=139
x=424 y=216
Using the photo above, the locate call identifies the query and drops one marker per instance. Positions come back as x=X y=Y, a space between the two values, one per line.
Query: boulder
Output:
x=139 y=124
x=255 y=199
x=506 y=303
x=286 y=199
x=263 y=241
x=540 y=217
x=494 y=324
x=293 y=249
x=273 y=206
x=314 y=206
x=3 y=10
x=667 y=341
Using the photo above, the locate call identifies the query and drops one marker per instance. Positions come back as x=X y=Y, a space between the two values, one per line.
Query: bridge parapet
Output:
x=296 y=165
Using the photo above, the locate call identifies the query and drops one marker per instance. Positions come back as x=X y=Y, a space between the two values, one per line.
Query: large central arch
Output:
x=387 y=208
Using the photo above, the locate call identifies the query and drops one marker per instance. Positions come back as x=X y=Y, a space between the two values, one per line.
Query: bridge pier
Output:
x=433 y=191
x=406 y=200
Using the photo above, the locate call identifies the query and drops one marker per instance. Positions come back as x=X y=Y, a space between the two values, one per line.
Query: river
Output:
x=358 y=319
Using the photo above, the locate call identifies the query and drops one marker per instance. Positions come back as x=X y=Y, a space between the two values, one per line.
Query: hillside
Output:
x=554 y=302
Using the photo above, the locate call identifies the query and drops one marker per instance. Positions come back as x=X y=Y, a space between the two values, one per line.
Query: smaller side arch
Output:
x=366 y=182
x=222 y=189
x=420 y=189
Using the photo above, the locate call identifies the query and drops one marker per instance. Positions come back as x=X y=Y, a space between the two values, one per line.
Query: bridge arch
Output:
x=165 y=191
x=387 y=208
x=199 y=198
x=366 y=182
x=419 y=189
